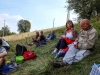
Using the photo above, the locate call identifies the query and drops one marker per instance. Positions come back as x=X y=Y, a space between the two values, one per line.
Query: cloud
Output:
x=10 y=20
x=10 y=17
x=17 y=17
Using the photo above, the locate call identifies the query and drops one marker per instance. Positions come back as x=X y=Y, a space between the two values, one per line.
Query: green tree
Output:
x=12 y=33
x=84 y=8
x=23 y=26
x=1 y=33
x=5 y=31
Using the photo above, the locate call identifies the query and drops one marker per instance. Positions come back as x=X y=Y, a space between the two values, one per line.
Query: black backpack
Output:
x=20 y=49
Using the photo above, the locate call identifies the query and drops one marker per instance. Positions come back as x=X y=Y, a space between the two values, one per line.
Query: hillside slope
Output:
x=42 y=64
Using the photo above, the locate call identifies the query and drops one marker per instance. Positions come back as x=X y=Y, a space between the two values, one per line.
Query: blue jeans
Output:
x=40 y=43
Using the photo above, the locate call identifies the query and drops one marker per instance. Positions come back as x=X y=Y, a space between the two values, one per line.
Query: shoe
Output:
x=58 y=54
x=30 y=44
x=59 y=64
x=54 y=51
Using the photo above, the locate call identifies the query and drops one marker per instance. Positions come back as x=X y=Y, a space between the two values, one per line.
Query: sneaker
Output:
x=30 y=44
x=57 y=55
x=54 y=51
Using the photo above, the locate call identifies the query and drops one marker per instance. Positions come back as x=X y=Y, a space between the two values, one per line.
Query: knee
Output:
x=1 y=61
x=79 y=57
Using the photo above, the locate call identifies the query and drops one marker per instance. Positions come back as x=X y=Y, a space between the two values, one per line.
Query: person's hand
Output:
x=62 y=36
x=76 y=45
x=76 y=41
x=60 y=49
x=67 y=38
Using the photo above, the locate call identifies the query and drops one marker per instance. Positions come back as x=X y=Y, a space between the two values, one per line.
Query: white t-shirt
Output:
x=69 y=35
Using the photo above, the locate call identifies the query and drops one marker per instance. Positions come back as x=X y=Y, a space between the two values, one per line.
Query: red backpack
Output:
x=29 y=55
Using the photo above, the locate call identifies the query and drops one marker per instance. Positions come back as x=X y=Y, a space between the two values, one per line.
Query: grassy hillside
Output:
x=27 y=34
x=42 y=66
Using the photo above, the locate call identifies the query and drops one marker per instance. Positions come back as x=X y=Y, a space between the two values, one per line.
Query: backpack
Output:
x=29 y=55
x=10 y=67
x=19 y=59
x=20 y=50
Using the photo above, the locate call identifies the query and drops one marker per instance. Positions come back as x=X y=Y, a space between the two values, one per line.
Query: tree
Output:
x=84 y=8
x=24 y=26
x=1 y=33
x=12 y=33
x=5 y=31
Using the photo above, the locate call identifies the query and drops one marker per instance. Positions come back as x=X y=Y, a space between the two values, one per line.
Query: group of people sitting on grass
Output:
x=73 y=46
x=41 y=39
x=37 y=40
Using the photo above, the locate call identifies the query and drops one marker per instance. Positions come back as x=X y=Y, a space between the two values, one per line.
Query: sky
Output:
x=42 y=14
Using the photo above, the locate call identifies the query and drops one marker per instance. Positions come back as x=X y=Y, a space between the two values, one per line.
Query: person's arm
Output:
x=3 y=54
x=65 y=32
x=38 y=39
x=74 y=34
x=92 y=39
x=89 y=42
x=33 y=38
x=54 y=36
x=49 y=36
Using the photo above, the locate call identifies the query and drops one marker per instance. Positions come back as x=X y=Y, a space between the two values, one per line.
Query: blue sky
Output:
x=40 y=13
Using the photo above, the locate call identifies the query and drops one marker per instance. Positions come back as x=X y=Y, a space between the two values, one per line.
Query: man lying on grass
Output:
x=83 y=46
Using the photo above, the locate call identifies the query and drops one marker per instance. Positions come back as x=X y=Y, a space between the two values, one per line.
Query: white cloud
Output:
x=17 y=17
x=10 y=20
x=11 y=17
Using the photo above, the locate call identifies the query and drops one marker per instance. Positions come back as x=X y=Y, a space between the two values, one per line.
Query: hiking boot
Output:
x=59 y=64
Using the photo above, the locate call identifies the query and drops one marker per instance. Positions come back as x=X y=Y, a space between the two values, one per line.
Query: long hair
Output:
x=69 y=22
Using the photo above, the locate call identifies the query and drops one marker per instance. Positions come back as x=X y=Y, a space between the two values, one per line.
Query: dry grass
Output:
x=27 y=34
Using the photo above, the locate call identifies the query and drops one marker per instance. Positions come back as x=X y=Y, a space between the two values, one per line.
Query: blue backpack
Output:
x=10 y=67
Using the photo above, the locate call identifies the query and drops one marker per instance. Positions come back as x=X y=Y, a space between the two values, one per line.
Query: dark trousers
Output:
x=61 y=44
